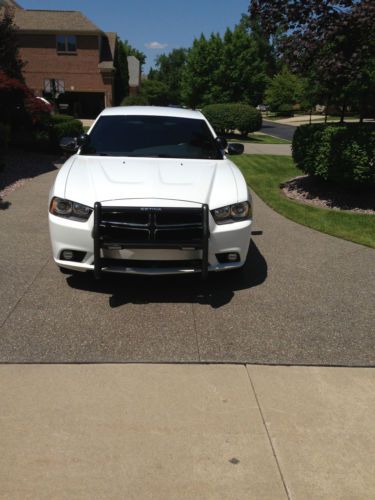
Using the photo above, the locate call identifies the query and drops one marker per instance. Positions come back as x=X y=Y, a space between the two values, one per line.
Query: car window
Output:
x=152 y=136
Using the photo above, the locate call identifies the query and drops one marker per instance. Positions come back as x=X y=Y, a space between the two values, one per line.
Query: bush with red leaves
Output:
x=18 y=105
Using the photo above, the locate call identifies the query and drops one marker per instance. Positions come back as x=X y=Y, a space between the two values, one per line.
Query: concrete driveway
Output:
x=303 y=298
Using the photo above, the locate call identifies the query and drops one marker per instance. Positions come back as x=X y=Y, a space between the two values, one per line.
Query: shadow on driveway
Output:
x=22 y=165
x=217 y=291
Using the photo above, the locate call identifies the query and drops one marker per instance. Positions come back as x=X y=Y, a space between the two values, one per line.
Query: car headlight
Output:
x=232 y=213
x=69 y=209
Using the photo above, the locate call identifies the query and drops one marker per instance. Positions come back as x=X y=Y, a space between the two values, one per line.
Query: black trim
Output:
x=150 y=227
x=206 y=235
x=97 y=257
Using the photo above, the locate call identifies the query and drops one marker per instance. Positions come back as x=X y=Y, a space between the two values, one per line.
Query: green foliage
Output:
x=155 y=93
x=344 y=154
x=243 y=71
x=134 y=100
x=226 y=118
x=229 y=69
x=121 y=83
x=265 y=173
x=169 y=68
x=71 y=128
x=10 y=63
x=284 y=91
x=60 y=118
x=285 y=110
x=47 y=135
x=131 y=51
x=329 y=42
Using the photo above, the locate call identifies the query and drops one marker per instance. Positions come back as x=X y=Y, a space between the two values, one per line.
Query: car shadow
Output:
x=217 y=291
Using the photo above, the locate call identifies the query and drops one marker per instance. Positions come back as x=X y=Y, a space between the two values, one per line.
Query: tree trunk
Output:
x=310 y=115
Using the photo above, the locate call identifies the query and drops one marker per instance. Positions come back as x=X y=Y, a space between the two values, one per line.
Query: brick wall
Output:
x=79 y=71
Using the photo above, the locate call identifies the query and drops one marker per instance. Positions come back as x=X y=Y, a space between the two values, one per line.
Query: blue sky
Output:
x=173 y=23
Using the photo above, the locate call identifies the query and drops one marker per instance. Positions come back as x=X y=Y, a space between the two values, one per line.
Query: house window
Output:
x=66 y=43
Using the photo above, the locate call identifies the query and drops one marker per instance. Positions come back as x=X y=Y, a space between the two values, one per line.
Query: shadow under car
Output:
x=216 y=291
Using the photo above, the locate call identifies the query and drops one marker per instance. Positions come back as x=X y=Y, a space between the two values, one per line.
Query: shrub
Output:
x=18 y=105
x=134 y=100
x=59 y=118
x=70 y=128
x=41 y=141
x=226 y=118
x=341 y=153
x=285 y=110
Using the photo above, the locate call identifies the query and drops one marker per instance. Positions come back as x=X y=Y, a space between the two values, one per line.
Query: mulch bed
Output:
x=312 y=191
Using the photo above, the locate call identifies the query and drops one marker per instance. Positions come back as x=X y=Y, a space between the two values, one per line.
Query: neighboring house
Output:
x=67 y=58
x=134 y=75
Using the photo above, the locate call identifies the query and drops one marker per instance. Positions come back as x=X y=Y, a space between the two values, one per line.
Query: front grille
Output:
x=159 y=227
x=150 y=227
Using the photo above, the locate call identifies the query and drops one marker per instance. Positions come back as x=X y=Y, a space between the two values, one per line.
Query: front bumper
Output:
x=148 y=259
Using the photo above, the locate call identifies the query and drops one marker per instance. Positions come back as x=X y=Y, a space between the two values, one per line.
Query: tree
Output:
x=330 y=42
x=131 y=51
x=121 y=83
x=284 y=91
x=10 y=63
x=229 y=69
x=156 y=93
x=201 y=74
x=244 y=70
x=169 y=68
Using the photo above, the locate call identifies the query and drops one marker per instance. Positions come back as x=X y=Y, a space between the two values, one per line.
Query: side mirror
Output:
x=221 y=142
x=83 y=140
x=235 y=148
x=69 y=144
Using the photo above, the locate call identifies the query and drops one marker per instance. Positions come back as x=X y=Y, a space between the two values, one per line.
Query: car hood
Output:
x=92 y=179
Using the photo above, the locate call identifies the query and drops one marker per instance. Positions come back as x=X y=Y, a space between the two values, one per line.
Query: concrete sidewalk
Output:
x=186 y=432
x=268 y=149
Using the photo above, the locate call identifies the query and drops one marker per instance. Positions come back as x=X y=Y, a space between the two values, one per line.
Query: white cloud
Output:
x=156 y=45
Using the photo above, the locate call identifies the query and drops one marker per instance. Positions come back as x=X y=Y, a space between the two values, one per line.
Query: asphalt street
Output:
x=303 y=298
x=278 y=130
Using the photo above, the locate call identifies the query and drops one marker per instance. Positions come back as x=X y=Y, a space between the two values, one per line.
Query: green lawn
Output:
x=256 y=139
x=264 y=175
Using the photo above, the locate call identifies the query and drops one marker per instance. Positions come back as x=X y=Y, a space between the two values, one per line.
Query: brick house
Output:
x=68 y=57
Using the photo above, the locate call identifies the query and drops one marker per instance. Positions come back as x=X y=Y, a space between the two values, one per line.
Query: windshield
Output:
x=152 y=136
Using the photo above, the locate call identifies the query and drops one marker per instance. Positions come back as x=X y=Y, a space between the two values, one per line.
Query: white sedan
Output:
x=150 y=190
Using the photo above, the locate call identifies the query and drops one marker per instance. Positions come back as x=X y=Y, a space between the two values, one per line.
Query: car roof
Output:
x=152 y=111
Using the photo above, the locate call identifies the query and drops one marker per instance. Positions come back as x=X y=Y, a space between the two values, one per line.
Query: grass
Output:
x=264 y=174
x=256 y=139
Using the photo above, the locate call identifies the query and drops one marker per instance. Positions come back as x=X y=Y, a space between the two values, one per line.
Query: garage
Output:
x=82 y=104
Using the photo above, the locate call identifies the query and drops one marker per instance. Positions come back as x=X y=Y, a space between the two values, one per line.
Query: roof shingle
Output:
x=53 y=21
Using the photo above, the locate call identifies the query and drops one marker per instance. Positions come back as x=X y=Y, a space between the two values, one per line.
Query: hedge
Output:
x=47 y=137
x=226 y=118
x=341 y=153
x=58 y=118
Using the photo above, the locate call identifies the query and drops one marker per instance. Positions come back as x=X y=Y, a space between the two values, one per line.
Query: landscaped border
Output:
x=265 y=173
